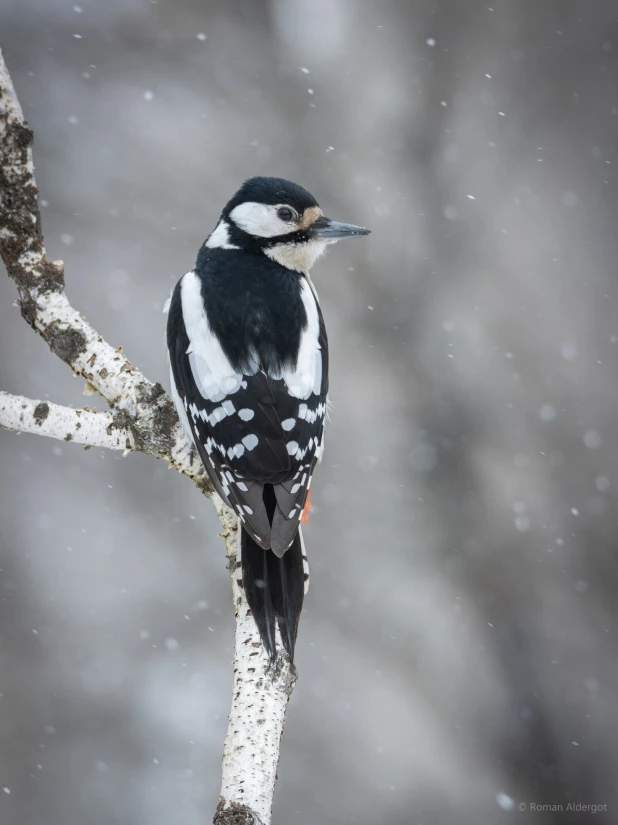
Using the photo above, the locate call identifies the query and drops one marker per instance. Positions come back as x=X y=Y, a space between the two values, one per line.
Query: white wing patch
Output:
x=307 y=377
x=212 y=372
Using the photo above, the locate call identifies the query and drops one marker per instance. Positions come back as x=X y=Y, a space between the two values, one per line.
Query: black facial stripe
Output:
x=255 y=243
x=300 y=236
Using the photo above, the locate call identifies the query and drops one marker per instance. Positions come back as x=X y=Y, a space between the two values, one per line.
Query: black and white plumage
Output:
x=249 y=373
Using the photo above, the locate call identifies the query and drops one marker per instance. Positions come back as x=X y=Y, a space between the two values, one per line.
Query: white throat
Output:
x=298 y=256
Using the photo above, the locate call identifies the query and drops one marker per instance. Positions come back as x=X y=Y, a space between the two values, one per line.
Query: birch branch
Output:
x=260 y=697
x=94 y=429
x=143 y=418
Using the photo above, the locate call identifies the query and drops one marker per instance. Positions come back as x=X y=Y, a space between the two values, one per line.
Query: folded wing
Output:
x=250 y=429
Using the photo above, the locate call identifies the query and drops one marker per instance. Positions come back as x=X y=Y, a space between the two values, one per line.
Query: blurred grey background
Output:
x=458 y=650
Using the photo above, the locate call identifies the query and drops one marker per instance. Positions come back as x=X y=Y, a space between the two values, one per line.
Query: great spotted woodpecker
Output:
x=249 y=374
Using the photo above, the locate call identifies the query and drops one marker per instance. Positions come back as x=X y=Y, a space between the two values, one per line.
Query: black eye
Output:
x=285 y=214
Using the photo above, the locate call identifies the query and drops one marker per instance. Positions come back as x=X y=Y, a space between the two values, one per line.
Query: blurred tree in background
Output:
x=457 y=652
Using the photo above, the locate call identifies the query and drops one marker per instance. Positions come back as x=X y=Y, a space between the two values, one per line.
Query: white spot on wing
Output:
x=288 y=424
x=250 y=441
x=292 y=447
x=319 y=453
x=246 y=414
x=218 y=414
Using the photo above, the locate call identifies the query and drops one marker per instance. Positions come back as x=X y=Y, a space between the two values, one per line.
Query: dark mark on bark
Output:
x=235 y=814
x=41 y=411
x=147 y=393
x=204 y=484
x=123 y=421
x=164 y=420
x=68 y=437
x=46 y=279
x=18 y=205
x=66 y=343
x=28 y=309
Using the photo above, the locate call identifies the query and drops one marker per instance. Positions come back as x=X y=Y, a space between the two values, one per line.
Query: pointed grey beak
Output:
x=334 y=230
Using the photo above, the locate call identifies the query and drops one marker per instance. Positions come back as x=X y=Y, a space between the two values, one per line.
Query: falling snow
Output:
x=592 y=439
x=505 y=801
x=547 y=412
x=468 y=489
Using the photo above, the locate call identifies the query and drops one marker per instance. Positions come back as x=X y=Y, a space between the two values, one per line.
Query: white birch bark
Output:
x=94 y=429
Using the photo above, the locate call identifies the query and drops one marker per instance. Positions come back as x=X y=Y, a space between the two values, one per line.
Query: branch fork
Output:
x=141 y=417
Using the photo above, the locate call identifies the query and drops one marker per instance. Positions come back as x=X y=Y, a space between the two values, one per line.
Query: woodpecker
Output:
x=249 y=377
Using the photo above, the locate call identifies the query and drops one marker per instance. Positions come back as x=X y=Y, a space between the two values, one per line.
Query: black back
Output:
x=254 y=307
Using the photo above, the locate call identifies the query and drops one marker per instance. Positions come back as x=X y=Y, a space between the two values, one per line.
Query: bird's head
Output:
x=280 y=219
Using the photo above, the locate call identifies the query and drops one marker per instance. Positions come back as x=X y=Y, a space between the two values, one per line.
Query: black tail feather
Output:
x=287 y=590
x=274 y=586
x=256 y=582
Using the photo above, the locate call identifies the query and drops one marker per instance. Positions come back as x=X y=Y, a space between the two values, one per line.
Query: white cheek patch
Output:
x=219 y=238
x=260 y=219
